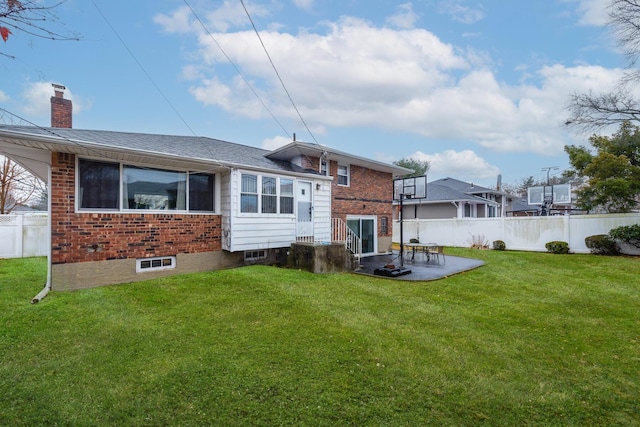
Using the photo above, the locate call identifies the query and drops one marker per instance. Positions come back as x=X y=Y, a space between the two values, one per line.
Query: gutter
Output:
x=47 y=286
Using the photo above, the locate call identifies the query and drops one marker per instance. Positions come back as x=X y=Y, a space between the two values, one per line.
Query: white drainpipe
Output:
x=47 y=286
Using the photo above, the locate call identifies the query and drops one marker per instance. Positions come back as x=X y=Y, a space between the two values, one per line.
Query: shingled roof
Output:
x=145 y=147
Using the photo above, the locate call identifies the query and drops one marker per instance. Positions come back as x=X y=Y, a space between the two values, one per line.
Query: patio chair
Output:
x=437 y=252
x=408 y=255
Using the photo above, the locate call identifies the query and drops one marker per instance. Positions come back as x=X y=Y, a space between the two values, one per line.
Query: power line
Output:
x=278 y=74
x=143 y=69
x=204 y=27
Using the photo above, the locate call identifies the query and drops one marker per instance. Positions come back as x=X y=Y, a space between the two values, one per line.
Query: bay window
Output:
x=114 y=186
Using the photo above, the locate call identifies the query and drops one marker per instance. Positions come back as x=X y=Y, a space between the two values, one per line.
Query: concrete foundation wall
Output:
x=82 y=275
x=332 y=258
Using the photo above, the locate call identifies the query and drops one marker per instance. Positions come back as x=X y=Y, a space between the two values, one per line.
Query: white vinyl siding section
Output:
x=256 y=231
x=225 y=210
x=322 y=212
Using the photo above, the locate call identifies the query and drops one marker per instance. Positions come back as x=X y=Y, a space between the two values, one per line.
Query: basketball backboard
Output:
x=410 y=188
x=549 y=194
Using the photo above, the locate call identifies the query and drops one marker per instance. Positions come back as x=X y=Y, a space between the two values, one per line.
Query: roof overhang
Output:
x=27 y=142
x=297 y=148
x=33 y=151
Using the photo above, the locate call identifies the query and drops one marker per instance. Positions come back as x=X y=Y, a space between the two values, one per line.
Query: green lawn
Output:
x=526 y=339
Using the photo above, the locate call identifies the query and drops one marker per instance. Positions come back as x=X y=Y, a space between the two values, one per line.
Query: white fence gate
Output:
x=23 y=235
x=518 y=233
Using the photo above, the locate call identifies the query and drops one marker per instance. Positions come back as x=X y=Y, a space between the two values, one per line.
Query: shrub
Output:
x=557 y=247
x=499 y=245
x=627 y=233
x=478 y=242
x=414 y=241
x=602 y=244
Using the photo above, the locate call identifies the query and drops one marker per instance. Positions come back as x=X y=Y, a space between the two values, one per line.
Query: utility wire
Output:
x=204 y=27
x=277 y=73
x=143 y=69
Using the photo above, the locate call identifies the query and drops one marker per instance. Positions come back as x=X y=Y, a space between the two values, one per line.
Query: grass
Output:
x=527 y=339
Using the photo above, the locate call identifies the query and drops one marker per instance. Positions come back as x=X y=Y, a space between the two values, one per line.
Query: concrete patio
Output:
x=421 y=269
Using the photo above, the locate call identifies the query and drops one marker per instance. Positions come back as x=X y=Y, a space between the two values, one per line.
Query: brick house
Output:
x=130 y=206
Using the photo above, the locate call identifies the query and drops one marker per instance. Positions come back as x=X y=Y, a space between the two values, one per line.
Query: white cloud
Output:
x=37 y=96
x=3 y=97
x=38 y=100
x=275 y=143
x=229 y=15
x=303 y=4
x=593 y=12
x=465 y=165
x=404 y=18
x=355 y=74
x=461 y=13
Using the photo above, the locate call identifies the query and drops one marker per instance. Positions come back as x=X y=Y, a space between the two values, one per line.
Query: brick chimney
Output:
x=61 y=109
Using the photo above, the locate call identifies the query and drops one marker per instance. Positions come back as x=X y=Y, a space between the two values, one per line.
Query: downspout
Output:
x=47 y=286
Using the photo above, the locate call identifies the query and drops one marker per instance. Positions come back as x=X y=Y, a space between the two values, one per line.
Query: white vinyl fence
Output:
x=23 y=235
x=518 y=233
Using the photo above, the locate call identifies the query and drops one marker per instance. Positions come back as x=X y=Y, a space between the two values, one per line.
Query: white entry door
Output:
x=305 y=209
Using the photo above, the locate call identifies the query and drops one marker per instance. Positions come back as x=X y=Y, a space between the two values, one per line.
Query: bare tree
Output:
x=17 y=186
x=31 y=17
x=594 y=111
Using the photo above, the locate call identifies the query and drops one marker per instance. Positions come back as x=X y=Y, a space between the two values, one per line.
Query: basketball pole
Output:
x=401 y=236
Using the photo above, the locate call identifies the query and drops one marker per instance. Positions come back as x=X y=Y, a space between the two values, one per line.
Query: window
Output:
x=286 y=196
x=343 y=175
x=467 y=210
x=255 y=255
x=324 y=169
x=249 y=193
x=153 y=264
x=269 y=196
x=384 y=227
x=98 y=184
x=201 y=192
x=153 y=189
x=266 y=194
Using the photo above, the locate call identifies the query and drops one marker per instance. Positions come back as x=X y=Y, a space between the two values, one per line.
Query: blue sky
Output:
x=478 y=88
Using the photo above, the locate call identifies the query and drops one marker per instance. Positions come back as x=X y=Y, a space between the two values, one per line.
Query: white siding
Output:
x=322 y=211
x=243 y=232
x=225 y=210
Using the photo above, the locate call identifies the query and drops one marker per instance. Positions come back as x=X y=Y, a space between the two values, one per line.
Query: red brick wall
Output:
x=78 y=237
x=369 y=193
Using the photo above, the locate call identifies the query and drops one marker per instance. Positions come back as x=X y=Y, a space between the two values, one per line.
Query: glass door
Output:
x=365 y=229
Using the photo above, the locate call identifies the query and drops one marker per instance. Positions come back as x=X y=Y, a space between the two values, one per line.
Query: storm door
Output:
x=305 y=210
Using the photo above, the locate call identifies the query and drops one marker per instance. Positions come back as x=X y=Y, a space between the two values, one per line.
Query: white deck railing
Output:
x=340 y=233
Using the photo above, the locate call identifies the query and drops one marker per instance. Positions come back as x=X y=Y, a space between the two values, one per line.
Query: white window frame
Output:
x=255 y=255
x=165 y=263
x=278 y=195
x=348 y=175
x=323 y=162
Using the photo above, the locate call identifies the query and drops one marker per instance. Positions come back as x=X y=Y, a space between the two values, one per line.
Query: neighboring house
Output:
x=521 y=207
x=452 y=198
x=130 y=206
